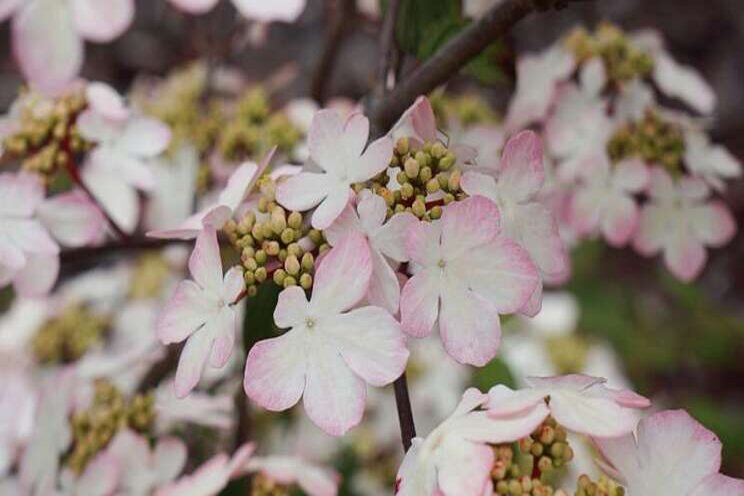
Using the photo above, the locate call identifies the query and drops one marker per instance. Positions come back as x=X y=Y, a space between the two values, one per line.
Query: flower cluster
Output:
x=623 y=166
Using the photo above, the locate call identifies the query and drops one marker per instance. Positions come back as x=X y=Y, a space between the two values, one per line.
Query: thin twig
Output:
x=339 y=13
x=387 y=43
x=405 y=413
x=453 y=56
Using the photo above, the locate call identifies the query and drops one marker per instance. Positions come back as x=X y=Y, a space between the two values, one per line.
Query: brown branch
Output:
x=130 y=244
x=339 y=12
x=387 y=43
x=405 y=413
x=453 y=56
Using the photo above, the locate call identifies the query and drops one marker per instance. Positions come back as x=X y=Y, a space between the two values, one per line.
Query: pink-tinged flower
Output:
x=100 y=478
x=118 y=165
x=603 y=201
x=680 y=221
x=672 y=453
x=260 y=10
x=466 y=274
x=17 y=410
x=386 y=241
x=338 y=148
x=239 y=185
x=313 y=479
x=331 y=348
x=29 y=224
x=202 y=313
x=210 y=478
x=514 y=185
x=578 y=402
x=51 y=436
x=537 y=78
x=48 y=35
x=455 y=459
x=674 y=79
x=143 y=470
x=714 y=163
x=577 y=131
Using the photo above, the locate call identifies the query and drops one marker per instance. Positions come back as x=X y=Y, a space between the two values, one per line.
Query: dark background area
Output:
x=681 y=343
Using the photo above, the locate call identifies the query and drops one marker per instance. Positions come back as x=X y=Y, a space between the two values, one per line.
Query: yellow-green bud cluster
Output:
x=508 y=479
x=264 y=486
x=623 y=60
x=653 y=139
x=109 y=413
x=268 y=242
x=468 y=109
x=568 y=352
x=68 y=336
x=420 y=172
x=548 y=446
x=603 y=487
x=149 y=276
x=47 y=137
x=255 y=129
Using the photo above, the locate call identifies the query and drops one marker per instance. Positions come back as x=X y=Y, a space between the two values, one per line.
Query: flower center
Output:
x=442 y=263
x=310 y=323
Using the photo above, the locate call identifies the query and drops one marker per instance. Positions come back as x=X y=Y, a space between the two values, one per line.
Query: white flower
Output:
x=202 y=313
x=331 y=350
x=313 y=479
x=714 y=163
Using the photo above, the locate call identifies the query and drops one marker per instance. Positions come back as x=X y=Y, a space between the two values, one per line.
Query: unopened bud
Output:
x=292 y=265
x=261 y=274
x=411 y=168
x=295 y=220
x=306 y=281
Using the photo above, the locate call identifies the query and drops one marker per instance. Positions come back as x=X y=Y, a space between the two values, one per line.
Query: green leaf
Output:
x=418 y=18
x=495 y=372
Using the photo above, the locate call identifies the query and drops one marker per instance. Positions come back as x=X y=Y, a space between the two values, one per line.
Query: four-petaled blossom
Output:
x=338 y=148
x=681 y=222
x=48 y=35
x=604 y=200
x=212 y=476
x=671 y=454
x=118 y=166
x=260 y=10
x=29 y=225
x=331 y=349
x=578 y=402
x=202 y=313
x=287 y=470
x=466 y=274
x=455 y=459
x=386 y=242
x=239 y=185
x=513 y=185
x=142 y=470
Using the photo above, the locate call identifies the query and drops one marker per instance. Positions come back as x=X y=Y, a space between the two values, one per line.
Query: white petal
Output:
x=72 y=218
x=331 y=207
x=21 y=194
x=291 y=308
x=370 y=341
x=521 y=172
x=116 y=196
x=684 y=83
x=100 y=477
x=170 y=458
x=346 y=222
x=303 y=191
x=419 y=302
x=224 y=328
x=205 y=263
x=195 y=6
x=275 y=371
x=374 y=160
x=105 y=101
x=390 y=239
x=193 y=360
x=101 y=22
x=186 y=311
x=342 y=277
x=145 y=137
x=384 y=287
x=38 y=276
x=719 y=485
x=468 y=224
x=281 y=10
x=326 y=142
x=237 y=185
x=598 y=417
x=47 y=45
x=464 y=467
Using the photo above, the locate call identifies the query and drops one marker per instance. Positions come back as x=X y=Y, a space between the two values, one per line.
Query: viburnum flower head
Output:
x=386 y=242
x=680 y=221
x=455 y=459
x=467 y=273
x=578 y=402
x=202 y=313
x=337 y=146
x=259 y=10
x=513 y=184
x=48 y=35
x=671 y=454
x=604 y=200
x=331 y=349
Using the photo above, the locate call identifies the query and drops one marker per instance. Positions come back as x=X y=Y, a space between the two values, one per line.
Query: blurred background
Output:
x=682 y=344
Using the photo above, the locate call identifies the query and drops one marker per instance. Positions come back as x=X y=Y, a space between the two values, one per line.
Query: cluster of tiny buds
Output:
x=548 y=446
x=149 y=276
x=47 y=136
x=421 y=173
x=274 y=244
x=69 y=335
x=653 y=139
x=508 y=479
x=109 y=413
x=264 y=486
x=622 y=60
x=603 y=487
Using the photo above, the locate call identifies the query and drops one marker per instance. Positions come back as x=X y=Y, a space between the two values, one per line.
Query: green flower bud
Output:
x=308 y=261
x=411 y=168
x=261 y=274
x=295 y=220
x=306 y=281
x=289 y=281
x=292 y=265
x=279 y=275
